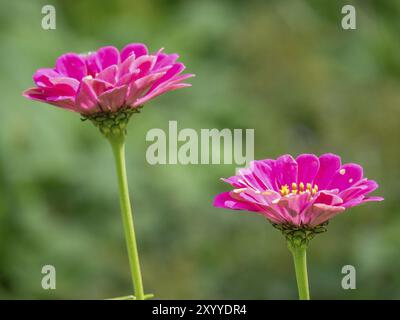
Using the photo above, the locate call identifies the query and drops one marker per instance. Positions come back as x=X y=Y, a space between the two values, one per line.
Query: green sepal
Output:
x=300 y=236
x=112 y=124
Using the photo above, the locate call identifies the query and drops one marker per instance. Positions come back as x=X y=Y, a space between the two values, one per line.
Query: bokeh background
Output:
x=285 y=68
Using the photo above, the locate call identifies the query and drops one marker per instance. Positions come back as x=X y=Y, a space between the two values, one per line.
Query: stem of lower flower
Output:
x=118 y=146
x=300 y=264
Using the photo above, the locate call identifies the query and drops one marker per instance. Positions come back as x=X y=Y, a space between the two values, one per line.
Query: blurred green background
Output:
x=285 y=68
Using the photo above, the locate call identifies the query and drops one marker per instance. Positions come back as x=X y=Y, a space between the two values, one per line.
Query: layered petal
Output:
x=288 y=191
x=108 y=80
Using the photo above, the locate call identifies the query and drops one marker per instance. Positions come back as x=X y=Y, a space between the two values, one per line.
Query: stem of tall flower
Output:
x=300 y=265
x=118 y=146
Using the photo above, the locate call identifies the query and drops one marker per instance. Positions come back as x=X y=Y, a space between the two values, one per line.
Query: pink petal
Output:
x=224 y=200
x=234 y=181
x=260 y=176
x=361 y=188
x=173 y=71
x=136 y=49
x=308 y=166
x=145 y=65
x=71 y=65
x=285 y=170
x=66 y=84
x=99 y=86
x=165 y=60
x=42 y=76
x=265 y=202
x=39 y=94
x=86 y=99
x=137 y=88
x=353 y=202
x=326 y=197
x=346 y=176
x=156 y=93
x=127 y=67
x=140 y=66
x=328 y=164
x=320 y=213
x=107 y=56
x=113 y=99
x=369 y=199
x=92 y=64
x=109 y=74
x=294 y=205
x=260 y=198
x=59 y=89
x=63 y=102
x=264 y=174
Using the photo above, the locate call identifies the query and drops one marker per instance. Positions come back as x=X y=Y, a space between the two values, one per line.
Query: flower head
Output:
x=108 y=80
x=298 y=193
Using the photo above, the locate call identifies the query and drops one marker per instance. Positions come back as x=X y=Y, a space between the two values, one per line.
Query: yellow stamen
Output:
x=294 y=188
x=285 y=190
x=297 y=189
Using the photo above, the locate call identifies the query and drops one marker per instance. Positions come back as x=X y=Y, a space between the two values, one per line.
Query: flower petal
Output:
x=113 y=99
x=346 y=176
x=86 y=99
x=286 y=170
x=138 y=88
x=308 y=166
x=136 y=49
x=165 y=60
x=326 y=197
x=42 y=76
x=109 y=74
x=71 y=65
x=162 y=90
x=294 y=206
x=224 y=200
x=328 y=164
x=40 y=94
x=176 y=69
x=107 y=56
x=320 y=213
x=92 y=64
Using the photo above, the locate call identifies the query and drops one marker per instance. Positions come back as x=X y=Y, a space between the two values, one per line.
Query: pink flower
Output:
x=107 y=80
x=305 y=192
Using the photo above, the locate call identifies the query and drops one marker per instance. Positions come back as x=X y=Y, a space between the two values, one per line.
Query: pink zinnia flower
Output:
x=302 y=192
x=108 y=80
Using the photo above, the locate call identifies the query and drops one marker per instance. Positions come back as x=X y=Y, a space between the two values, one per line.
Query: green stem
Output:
x=300 y=264
x=118 y=147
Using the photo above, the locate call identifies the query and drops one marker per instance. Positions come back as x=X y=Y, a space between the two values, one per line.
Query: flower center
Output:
x=299 y=189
